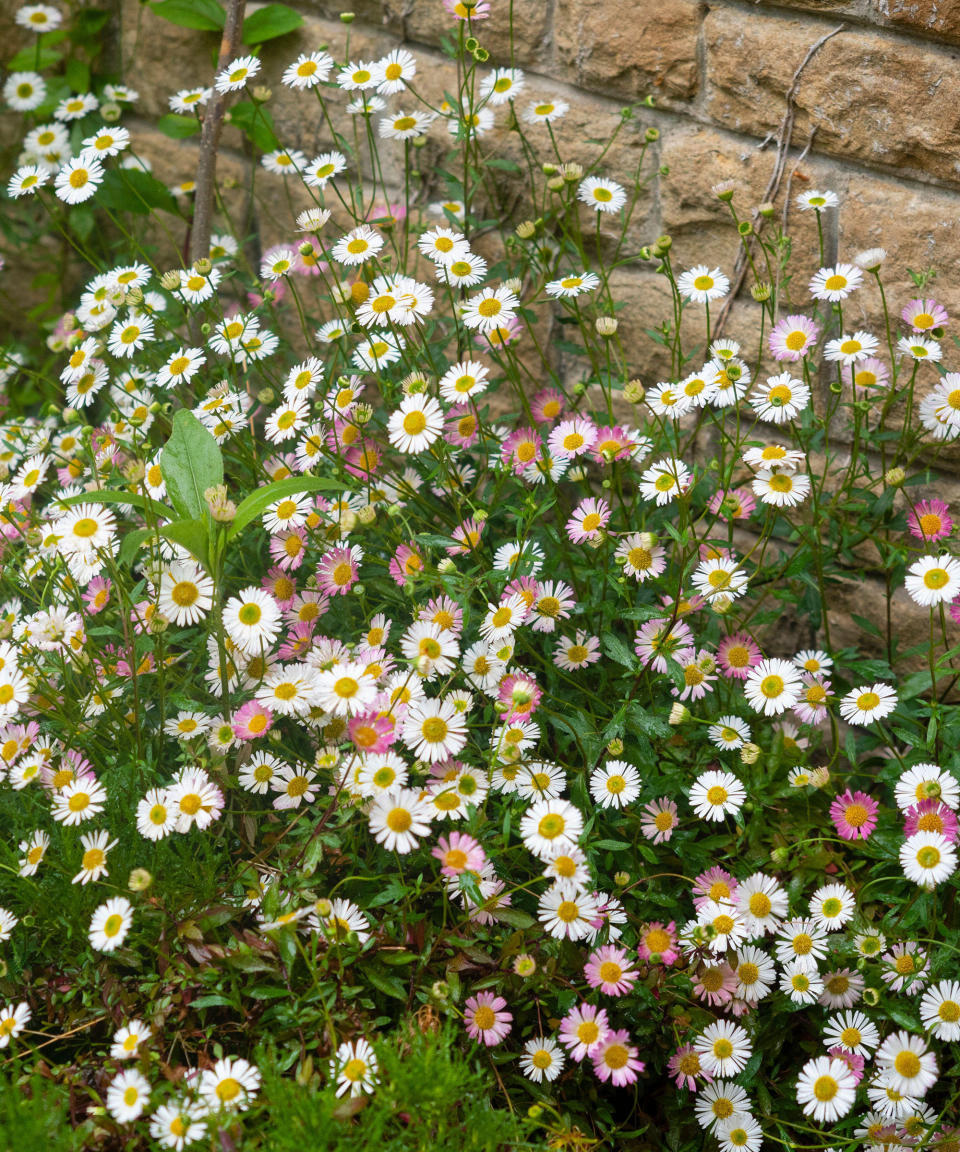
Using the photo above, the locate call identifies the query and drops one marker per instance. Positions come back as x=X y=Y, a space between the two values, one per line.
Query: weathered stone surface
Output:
x=160 y=58
x=427 y=22
x=650 y=48
x=937 y=18
x=872 y=98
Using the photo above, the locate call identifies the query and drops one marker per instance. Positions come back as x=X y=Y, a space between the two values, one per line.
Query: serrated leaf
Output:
x=191 y=463
x=269 y=22
x=257 y=502
x=203 y=15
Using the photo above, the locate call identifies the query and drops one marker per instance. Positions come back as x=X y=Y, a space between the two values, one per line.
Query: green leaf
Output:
x=178 y=127
x=191 y=463
x=515 y=918
x=192 y=535
x=257 y=502
x=131 y=544
x=269 y=22
x=204 y=15
x=133 y=499
x=256 y=123
x=615 y=648
x=77 y=75
x=127 y=190
x=389 y=985
x=611 y=845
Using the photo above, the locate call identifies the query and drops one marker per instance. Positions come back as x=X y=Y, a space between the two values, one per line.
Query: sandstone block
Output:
x=872 y=98
x=937 y=18
x=427 y=22
x=652 y=48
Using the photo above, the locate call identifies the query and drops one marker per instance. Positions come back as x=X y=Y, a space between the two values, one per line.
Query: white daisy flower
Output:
x=826 y=1089
x=603 y=195
x=110 y=924
x=928 y=858
x=864 y=705
x=933 y=580
x=237 y=74
x=397 y=818
x=701 y=284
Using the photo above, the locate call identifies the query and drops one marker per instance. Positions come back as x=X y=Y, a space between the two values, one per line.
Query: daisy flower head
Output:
x=772 y=686
x=186 y=593
x=780 y=487
x=27 y=180
x=867 y=704
x=928 y=858
x=719 y=577
x=926 y=782
x=252 y=620
x=849 y=350
x=39 y=17
x=701 y=284
x=230 y=1085
x=761 y=903
x=578 y=651
x=615 y=1059
x=236 y=75
x=664 y=480
x=719 y=1102
x=906 y=1065
x=127 y=1096
x=567 y=913
x=920 y=348
x=416 y=424
x=933 y=580
x=615 y=784
x=486 y=1020
x=924 y=315
x=724 y=1048
x=729 y=733
x=826 y=1089
x=79 y=179
x=853 y=1031
x=545 y=111
x=931 y=816
x=434 y=729
x=308 y=70
x=13 y=1019
x=793 y=338
x=542 y=1059
x=835 y=283
x=905 y=968
x=930 y=520
x=490 y=309
x=832 y=906
x=573 y=285
x=357 y=246
x=355 y=1068
x=739 y=1132
x=854 y=815
x=24 y=91
x=782 y=398
x=717 y=794
x=802 y=941
x=583 y=1029
x=940 y=1010
x=817 y=201
x=588 y=520
x=398 y=818
x=641 y=556
x=659 y=820
x=550 y=826
x=110 y=924
x=685 y=1068
x=602 y=195
x=842 y=988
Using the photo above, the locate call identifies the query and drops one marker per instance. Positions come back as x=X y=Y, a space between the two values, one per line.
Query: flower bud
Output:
x=366 y=515
x=745 y=228
x=556 y=183
x=526 y=229
x=111 y=113
x=679 y=714
x=347 y=17
x=750 y=753
x=664 y=243
x=440 y=990
x=514 y=285
x=651 y=135
x=524 y=965
x=621 y=879
x=634 y=391
x=779 y=857
x=266 y=396
x=446 y=566
x=724 y=190
x=170 y=280
x=606 y=325
x=894 y=477
x=549 y=169
x=572 y=173
x=871 y=997
x=761 y=291
x=766 y=209
x=140 y=880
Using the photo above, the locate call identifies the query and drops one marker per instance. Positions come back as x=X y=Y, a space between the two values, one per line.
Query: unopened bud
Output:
x=170 y=280
x=870 y=997
x=621 y=879
x=140 y=880
x=766 y=210
x=266 y=396
x=526 y=229
x=724 y=190
x=651 y=135
x=750 y=753
x=572 y=172
x=366 y=515
x=204 y=266
x=524 y=965
x=549 y=169
x=446 y=566
x=261 y=93
x=606 y=325
x=634 y=391
x=111 y=113
x=761 y=291
x=134 y=296
x=347 y=17
x=779 y=857
x=679 y=714
x=894 y=477
x=615 y=747
x=556 y=183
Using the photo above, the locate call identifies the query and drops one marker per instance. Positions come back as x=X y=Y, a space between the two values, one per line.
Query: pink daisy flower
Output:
x=288 y=548
x=854 y=815
x=854 y=1062
x=588 y=520
x=406 y=564
x=281 y=586
x=444 y=612
x=684 y=1066
x=363 y=460
x=714 y=884
x=658 y=943
x=466 y=536
x=867 y=373
x=552 y=602
x=459 y=11
x=339 y=570
x=616 y=1059
x=732 y=503
x=520 y=695
x=923 y=315
x=372 y=732
x=252 y=721
x=97 y=595
x=461 y=428
x=657 y=639
x=930 y=520
x=614 y=442
x=547 y=405
x=486 y=1021
x=297 y=642
x=715 y=983
x=583 y=1030
x=521 y=449
x=527 y=587
x=793 y=337
x=571 y=438
x=459 y=853
x=931 y=816
x=609 y=970
x=659 y=820
x=737 y=654
x=812 y=705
